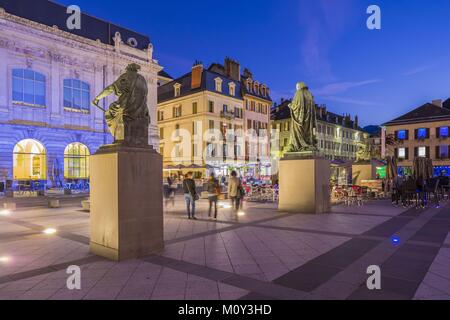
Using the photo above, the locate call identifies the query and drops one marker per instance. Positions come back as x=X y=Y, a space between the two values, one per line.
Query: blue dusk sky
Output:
x=377 y=74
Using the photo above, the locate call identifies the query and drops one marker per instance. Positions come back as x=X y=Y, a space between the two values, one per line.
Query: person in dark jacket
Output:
x=213 y=194
x=190 y=195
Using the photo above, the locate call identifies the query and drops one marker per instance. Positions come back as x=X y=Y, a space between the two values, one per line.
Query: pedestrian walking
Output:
x=190 y=195
x=213 y=194
x=170 y=192
x=235 y=191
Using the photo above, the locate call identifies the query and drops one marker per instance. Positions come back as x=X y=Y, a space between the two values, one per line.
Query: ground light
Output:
x=395 y=240
x=241 y=213
x=225 y=205
x=50 y=231
x=4 y=259
x=5 y=212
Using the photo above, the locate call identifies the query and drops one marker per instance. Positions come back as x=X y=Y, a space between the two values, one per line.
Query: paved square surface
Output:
x=259 y=254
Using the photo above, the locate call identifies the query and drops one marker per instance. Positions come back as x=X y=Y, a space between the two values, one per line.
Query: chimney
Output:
x=437 y=103
x=196 y=75
x=356 y=122
x=232 y=69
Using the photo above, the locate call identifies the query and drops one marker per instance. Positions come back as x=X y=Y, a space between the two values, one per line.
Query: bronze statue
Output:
x=303 y=121
x=128 y=117
x=364 y=153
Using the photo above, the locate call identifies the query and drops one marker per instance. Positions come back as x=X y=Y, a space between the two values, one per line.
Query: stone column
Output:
x=126 y=202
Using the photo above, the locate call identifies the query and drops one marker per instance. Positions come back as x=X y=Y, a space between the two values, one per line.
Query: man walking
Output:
x=190 y=195
x=235 y=191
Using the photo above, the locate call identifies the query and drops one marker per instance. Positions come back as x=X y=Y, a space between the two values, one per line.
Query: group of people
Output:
x=236 y=194
x=406 y=189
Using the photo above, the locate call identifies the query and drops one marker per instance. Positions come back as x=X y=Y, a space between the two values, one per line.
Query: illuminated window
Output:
x=76 y=96
x=402 y=153
x=422 y=133
x=443 y=132
x=232 y=88
x=29 y=161
x=218 y=82
x=28 y=87
x=401 y=135
x=177 y=89
x=422 y=152
x=76 y=161
x=443 y=152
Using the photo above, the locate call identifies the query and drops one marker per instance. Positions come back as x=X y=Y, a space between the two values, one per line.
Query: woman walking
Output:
x=213 y=194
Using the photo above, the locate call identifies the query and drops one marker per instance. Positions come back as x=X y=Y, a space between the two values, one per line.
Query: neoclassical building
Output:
x=48 y=77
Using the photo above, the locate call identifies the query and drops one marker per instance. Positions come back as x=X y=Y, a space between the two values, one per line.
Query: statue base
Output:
x=363 y=171
x=304 y=184
x=126 y=202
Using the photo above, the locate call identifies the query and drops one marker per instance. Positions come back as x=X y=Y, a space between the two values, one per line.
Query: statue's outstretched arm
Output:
x=106 y=92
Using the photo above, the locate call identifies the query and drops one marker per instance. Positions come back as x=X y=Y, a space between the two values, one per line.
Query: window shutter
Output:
x=438 y=156
x=407 y=135
x=416 y=134
x=427 y=154
x=406 y=153
x=428 y=133
x=396 y=134
x=438 y=132
x=416 y=152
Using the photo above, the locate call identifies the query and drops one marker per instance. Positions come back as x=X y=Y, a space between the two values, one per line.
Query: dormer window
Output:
x=177 y=89
x=232 y=89
x=263 y=91
x=256 y=88
x=248 y=85
x=218 y=84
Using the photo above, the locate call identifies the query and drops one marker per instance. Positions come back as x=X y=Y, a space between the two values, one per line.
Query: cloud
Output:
x=324 y=22
x=364 y=103
x=418 y=70
x=340 y=87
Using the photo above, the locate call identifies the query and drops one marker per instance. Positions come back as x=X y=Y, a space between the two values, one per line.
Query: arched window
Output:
x=76 y=161
x=28 y=87
x=29 y=161
x=76 y=96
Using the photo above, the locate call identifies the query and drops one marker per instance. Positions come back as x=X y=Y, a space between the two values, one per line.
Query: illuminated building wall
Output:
x=48 y=77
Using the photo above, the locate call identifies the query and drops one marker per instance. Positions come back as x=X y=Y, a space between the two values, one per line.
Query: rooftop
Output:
x=52 y=14
x=283 y=112
x=166 y=92
x=425 y=113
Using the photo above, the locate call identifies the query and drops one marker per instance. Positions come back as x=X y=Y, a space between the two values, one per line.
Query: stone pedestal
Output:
x=304 y=185
x=126 y=202
x=363 y=171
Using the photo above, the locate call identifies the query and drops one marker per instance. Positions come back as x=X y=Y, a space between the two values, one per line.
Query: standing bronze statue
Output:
x=128 y=117
x=303 y=121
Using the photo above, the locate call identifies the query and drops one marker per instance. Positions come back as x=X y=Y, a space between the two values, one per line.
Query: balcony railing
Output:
x=228 y=115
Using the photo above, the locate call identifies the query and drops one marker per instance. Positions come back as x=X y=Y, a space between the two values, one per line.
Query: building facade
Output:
x=338 y=137
x=257 y=102
x=202 y=121
x=49 y=76
x=423 y=132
